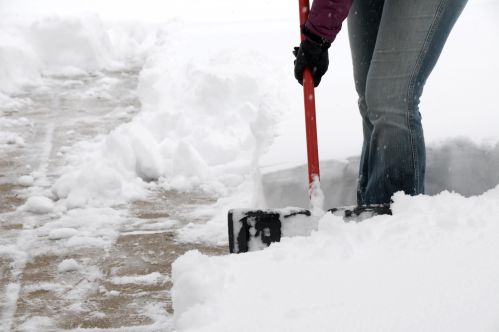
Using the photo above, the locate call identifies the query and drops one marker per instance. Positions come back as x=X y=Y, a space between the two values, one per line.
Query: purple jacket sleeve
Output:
x=326 y=16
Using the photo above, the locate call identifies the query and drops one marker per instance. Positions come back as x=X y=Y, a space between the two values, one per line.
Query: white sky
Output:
x=156 y=10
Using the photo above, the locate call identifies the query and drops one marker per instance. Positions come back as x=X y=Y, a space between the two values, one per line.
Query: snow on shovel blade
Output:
x=251 y=230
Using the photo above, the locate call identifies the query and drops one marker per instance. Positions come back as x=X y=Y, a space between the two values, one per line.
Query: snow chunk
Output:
x=154 y=278
x=26 y=180
x=68 y=265
x=95 y=183
x=39 y=204
x=62 y=233
x=80 y=228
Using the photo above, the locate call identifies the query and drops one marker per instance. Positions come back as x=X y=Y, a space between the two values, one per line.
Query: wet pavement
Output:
x=35 y=294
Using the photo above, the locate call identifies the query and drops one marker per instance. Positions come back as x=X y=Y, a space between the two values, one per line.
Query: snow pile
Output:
x=431 y=266
x=205 y=130
x=96 y=183
x=208 y=125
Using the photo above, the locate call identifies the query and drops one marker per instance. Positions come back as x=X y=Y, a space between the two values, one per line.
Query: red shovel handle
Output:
x=309 y=99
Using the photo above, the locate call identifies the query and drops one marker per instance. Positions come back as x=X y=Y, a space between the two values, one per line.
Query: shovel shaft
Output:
x=309 y=101
x=311 y=127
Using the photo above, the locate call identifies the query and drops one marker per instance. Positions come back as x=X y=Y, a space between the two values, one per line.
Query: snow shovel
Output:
x=251 y=230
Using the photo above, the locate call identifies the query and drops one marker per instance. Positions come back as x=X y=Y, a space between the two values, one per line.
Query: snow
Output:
x=62 y=233
x=70 y=46
x=82 y=45
x=26 y=180
x=37 y=323
x=68 y=265
x=39 y=204
x=455 y=164
x=432 y=265
x=204 y=131
x=93 y=182
x=19 y=64
x=148 y=279
x=83 y=228
x=316 y=197
x=11 y=139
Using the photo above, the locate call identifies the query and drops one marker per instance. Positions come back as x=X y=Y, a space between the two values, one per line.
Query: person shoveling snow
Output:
x=395 y=46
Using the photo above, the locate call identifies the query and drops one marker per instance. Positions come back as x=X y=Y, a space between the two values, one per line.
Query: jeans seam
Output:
x=411 y=88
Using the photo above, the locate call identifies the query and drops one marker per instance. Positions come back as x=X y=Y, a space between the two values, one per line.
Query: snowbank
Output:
x=457 y=165
x=431 y=266
x=204 y=130
x=208 y=123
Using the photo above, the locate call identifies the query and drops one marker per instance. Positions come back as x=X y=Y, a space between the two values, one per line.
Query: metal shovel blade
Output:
x=251 y=230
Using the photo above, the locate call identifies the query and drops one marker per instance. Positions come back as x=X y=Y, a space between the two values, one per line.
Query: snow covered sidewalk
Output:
x=432 y=266
x=95 y=267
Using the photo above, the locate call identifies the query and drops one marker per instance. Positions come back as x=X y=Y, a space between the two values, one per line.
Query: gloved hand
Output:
x=312 y=54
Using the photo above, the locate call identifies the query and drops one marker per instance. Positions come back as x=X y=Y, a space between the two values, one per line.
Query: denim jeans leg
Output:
x=363 y=24
x=410 y=37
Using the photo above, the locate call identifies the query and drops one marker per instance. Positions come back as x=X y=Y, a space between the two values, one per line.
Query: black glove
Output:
x=312 y=54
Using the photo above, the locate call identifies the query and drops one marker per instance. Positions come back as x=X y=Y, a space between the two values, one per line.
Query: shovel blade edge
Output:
x=251 y=230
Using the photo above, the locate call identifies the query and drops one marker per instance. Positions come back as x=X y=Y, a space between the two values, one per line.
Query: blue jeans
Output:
x=395 y=45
